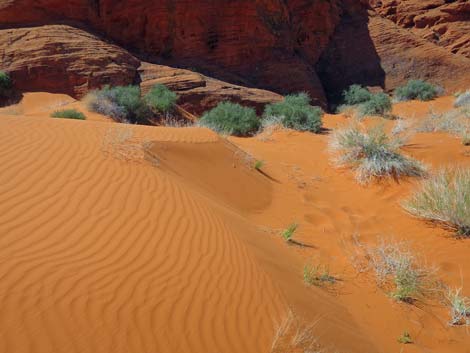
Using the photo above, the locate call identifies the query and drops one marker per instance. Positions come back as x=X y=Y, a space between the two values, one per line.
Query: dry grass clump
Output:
x=462 y=100
x=444 y=198
x=294 y=336
x=394 y=264
x=459 y=307
x=120 y=142
x=454 y=122
x=317 y=275
x=373 y=154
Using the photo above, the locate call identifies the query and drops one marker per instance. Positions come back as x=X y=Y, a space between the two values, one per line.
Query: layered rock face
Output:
x=271 y=44
x=370 y=49
x=318 y=46
x=442 y=22
x=63 y=59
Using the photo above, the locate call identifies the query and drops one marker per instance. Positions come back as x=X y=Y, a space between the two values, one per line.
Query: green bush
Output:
x=416 y=89
x=122 y=103
x=296 y=113
x=356 y=94
x=231 y=119
x=69 y=114
x=160 y=99
x=5 y=84
x=378 y=104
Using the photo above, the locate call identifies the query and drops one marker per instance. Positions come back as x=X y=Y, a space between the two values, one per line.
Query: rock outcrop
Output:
x=270 y=44
x=63 y=59
x=284 y=46
x=441 y=22
x=198 y=93
x=370 y=49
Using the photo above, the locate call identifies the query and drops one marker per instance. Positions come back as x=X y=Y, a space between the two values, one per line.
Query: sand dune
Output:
x=106 y=247
x=102 y=255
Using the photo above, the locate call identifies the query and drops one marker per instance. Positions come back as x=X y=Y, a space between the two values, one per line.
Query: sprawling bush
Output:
x=231 y=119
x=444 y=198
x=122 y=103
x=373 y=154
x=462 y=100
x=160 y=99
x=69 y=114
x=296 y=113
x=5 y=84
x=416 y=89
x=377 y=104
x=356 y=94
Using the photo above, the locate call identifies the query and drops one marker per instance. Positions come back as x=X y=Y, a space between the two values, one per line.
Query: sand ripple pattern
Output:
x=99 y=255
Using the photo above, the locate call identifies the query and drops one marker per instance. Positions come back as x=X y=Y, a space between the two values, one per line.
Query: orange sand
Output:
x=102 y=255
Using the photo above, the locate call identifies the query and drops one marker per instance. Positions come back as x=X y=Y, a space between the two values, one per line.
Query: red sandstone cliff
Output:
x=282 y=45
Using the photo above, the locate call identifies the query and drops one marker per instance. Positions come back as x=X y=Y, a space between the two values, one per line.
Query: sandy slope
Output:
x=181 y=253
x=103 y=255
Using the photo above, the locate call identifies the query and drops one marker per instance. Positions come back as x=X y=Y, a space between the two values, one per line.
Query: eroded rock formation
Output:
x=319 y=46
x=442 y=22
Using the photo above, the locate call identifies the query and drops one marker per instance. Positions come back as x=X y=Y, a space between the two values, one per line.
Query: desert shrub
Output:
x=416 y=89
x=69 y=114
x=122 y=103
x=231 y=119
x=444 y=198
x=462 y=100
x=356 y=94
x=394 y=264
x=160 y=99
x=5 y=84
x=451 y=122
x=373 y=154
x=296 y=113
x=459 y=307
x=377 y=104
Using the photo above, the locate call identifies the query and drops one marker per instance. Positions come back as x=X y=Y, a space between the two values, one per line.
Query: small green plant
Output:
x=69 y=114
x=5 y=84
x=373 y=154
x=231 y=119
x=160 y=99
x=444 y=198
x=407 y=283
x=378 y=104
x=288 y=233
x=317 y=275
x=405 y=338
x=296 y=113
x=459 y=307
x=258 y=165
x=416 y=89
x=356 y=94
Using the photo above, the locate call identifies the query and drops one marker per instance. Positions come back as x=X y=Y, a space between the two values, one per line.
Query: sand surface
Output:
x=105 y=248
